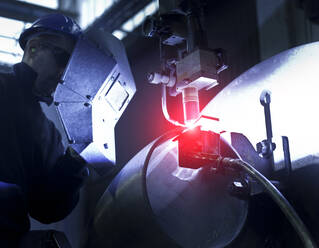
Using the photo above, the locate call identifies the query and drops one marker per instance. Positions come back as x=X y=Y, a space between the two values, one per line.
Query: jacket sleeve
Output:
x=55 y=191
x=2 y=85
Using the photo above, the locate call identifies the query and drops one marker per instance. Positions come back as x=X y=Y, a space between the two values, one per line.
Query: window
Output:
x=10 y=30
x=136 y=20
x=92 y=9
x=53 y=4
x=119 y=34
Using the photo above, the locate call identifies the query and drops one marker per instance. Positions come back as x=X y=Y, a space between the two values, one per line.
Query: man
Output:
x=36 y=177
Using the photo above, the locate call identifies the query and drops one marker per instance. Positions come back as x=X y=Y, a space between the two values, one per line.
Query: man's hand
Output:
x=74 y=154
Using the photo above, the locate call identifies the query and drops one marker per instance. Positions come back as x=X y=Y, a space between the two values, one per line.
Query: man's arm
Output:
x=55 y=191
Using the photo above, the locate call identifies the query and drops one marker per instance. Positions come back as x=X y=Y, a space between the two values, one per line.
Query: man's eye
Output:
x=33 y=49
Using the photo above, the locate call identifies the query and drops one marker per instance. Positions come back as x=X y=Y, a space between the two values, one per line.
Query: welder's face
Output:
x=48 y=56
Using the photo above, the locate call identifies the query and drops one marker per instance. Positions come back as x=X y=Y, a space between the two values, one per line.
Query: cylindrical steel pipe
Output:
x=153 y=202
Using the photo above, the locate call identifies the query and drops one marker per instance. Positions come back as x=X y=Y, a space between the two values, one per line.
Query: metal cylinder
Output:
x=190 y=104
x=157 y=78
x=292 y=78
x=154 y=203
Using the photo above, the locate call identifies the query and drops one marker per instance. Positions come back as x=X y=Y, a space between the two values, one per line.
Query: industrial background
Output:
x=249 y=30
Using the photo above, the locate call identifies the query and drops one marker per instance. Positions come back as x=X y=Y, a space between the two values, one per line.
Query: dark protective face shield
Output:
x=96 y=88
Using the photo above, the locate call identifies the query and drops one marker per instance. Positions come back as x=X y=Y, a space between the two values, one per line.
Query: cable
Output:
x=164 y=108
x=276 y=195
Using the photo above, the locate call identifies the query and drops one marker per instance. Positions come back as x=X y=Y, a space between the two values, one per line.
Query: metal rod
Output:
x=164 y=109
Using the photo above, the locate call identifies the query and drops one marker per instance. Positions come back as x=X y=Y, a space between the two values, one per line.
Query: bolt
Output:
x=238 y=184
x=239 y=188
x=150 y=76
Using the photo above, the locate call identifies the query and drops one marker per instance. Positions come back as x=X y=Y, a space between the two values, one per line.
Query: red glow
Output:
x=195 y=145
x=210 y=117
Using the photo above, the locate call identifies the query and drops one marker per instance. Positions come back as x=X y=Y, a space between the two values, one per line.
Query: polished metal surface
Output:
x=153 y=202
x=123 y=216
x=193 y=207
x=292 y=77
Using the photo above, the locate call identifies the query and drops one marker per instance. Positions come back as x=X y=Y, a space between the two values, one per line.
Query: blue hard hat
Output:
x=53 y=23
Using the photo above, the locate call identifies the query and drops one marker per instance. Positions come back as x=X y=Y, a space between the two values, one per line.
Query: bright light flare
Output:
x=206 y=123
x=191 y=125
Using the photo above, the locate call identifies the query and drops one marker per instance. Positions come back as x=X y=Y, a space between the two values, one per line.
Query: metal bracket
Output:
x=266 y=147
x=286 y=150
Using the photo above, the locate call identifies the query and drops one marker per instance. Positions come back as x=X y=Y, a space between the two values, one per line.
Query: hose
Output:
x=164 y=109
x=276 y=195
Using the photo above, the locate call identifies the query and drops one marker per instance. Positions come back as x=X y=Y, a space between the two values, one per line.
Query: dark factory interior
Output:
x=171 y=123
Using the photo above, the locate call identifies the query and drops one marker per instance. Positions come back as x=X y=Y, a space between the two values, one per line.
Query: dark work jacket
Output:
x=36 y=177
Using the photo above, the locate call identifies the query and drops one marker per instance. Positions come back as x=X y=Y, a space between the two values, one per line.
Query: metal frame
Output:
x=120 y=12
x=27 y=12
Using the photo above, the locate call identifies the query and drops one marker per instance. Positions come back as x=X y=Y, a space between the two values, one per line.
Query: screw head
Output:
x=150 y=76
